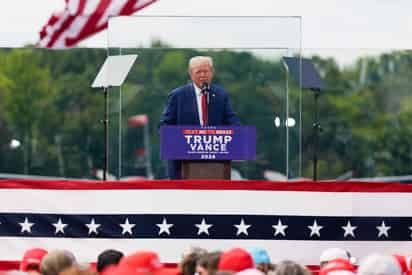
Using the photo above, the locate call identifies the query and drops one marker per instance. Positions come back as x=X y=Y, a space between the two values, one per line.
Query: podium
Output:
x=198 y=169
x=207 y=152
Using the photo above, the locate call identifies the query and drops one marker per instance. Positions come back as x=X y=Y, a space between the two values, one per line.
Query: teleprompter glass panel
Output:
x=247 y=54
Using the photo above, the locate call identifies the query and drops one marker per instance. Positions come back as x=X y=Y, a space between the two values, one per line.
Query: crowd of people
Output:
x=198 y=261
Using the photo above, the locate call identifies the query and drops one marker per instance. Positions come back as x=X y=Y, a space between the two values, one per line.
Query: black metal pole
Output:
x=316 y=130
x=106 y=131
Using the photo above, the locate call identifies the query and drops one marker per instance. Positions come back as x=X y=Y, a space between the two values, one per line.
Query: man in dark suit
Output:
x=197 y=103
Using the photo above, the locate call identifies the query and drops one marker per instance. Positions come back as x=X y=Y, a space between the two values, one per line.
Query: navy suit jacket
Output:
x=181 y=109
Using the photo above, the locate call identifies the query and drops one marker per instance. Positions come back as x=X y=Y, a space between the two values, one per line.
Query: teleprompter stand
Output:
x=305 y=73
x=112 y=74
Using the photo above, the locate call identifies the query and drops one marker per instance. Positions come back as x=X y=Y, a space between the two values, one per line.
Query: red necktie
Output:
x=204 y=109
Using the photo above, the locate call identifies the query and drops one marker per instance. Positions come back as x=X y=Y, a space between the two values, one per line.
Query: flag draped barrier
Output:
x=292 y=220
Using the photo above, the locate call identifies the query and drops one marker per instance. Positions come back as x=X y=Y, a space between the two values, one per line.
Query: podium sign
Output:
x=208 y=143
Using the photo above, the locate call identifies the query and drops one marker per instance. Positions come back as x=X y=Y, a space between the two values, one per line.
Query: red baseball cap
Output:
x=340 y=266
x=31 y=259
x=144 y=262
x=236 y=260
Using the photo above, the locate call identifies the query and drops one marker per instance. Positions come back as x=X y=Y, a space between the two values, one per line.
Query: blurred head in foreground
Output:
x=32 y=259
x=377 y=264
x=56 y=261
x=290 y=268
x=107 y=258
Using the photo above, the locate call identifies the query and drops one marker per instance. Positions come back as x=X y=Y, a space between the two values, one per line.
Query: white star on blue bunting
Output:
x=59 y=226
x=203 y=227
x=93 y=226
x=127 y=227
x=383 y=230
x=26 y=226
x=315 y=229
x=349 y=230
x=164 y=227
x=242 y=228
x=280 y=228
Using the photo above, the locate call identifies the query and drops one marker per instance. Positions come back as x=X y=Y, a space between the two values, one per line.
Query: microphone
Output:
x=205 y=87
x=205 y=94
x=205 y=91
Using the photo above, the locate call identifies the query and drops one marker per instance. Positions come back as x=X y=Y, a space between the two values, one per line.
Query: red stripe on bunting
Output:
x=308 y=186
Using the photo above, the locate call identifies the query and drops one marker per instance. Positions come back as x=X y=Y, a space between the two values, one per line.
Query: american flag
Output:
x=292 y=220
x=83 y=18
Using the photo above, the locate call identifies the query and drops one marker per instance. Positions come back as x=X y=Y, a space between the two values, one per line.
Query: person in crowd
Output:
x=235 y=260
x=377 y=264
x=261 y=259
x=335 y=253
x=290 y=268
x=77 y=270
x=224 y=272
x=107 y=258
x=189 y=260
x=56 y=262
x=143 y=263
x=207 y=264
x=31 y=260
x=250 y=271
x=198 y=103
x=338 y=267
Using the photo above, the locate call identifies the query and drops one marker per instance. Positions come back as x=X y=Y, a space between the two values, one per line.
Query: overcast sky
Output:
x=333 y=25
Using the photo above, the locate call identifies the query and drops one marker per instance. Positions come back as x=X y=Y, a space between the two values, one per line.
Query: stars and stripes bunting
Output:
x=188 y=226
x=288 y=219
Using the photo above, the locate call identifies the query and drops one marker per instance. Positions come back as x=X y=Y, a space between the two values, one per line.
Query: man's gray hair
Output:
x=200 y=59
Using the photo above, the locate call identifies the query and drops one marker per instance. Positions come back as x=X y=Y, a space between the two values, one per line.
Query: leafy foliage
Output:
x=46 y=103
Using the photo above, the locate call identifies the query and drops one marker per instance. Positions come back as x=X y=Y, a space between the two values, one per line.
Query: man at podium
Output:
x=197 y=103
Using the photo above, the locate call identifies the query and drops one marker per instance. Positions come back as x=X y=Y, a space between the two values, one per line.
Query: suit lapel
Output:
x=211 y=106
x=193 y=103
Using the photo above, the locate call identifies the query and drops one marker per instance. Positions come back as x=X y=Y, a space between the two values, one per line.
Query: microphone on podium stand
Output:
x=205 y=89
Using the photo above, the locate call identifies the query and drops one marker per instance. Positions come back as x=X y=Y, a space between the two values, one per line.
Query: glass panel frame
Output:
x=266 y=39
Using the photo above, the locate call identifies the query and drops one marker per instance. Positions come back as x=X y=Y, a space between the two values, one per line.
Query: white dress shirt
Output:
x=198 y=92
